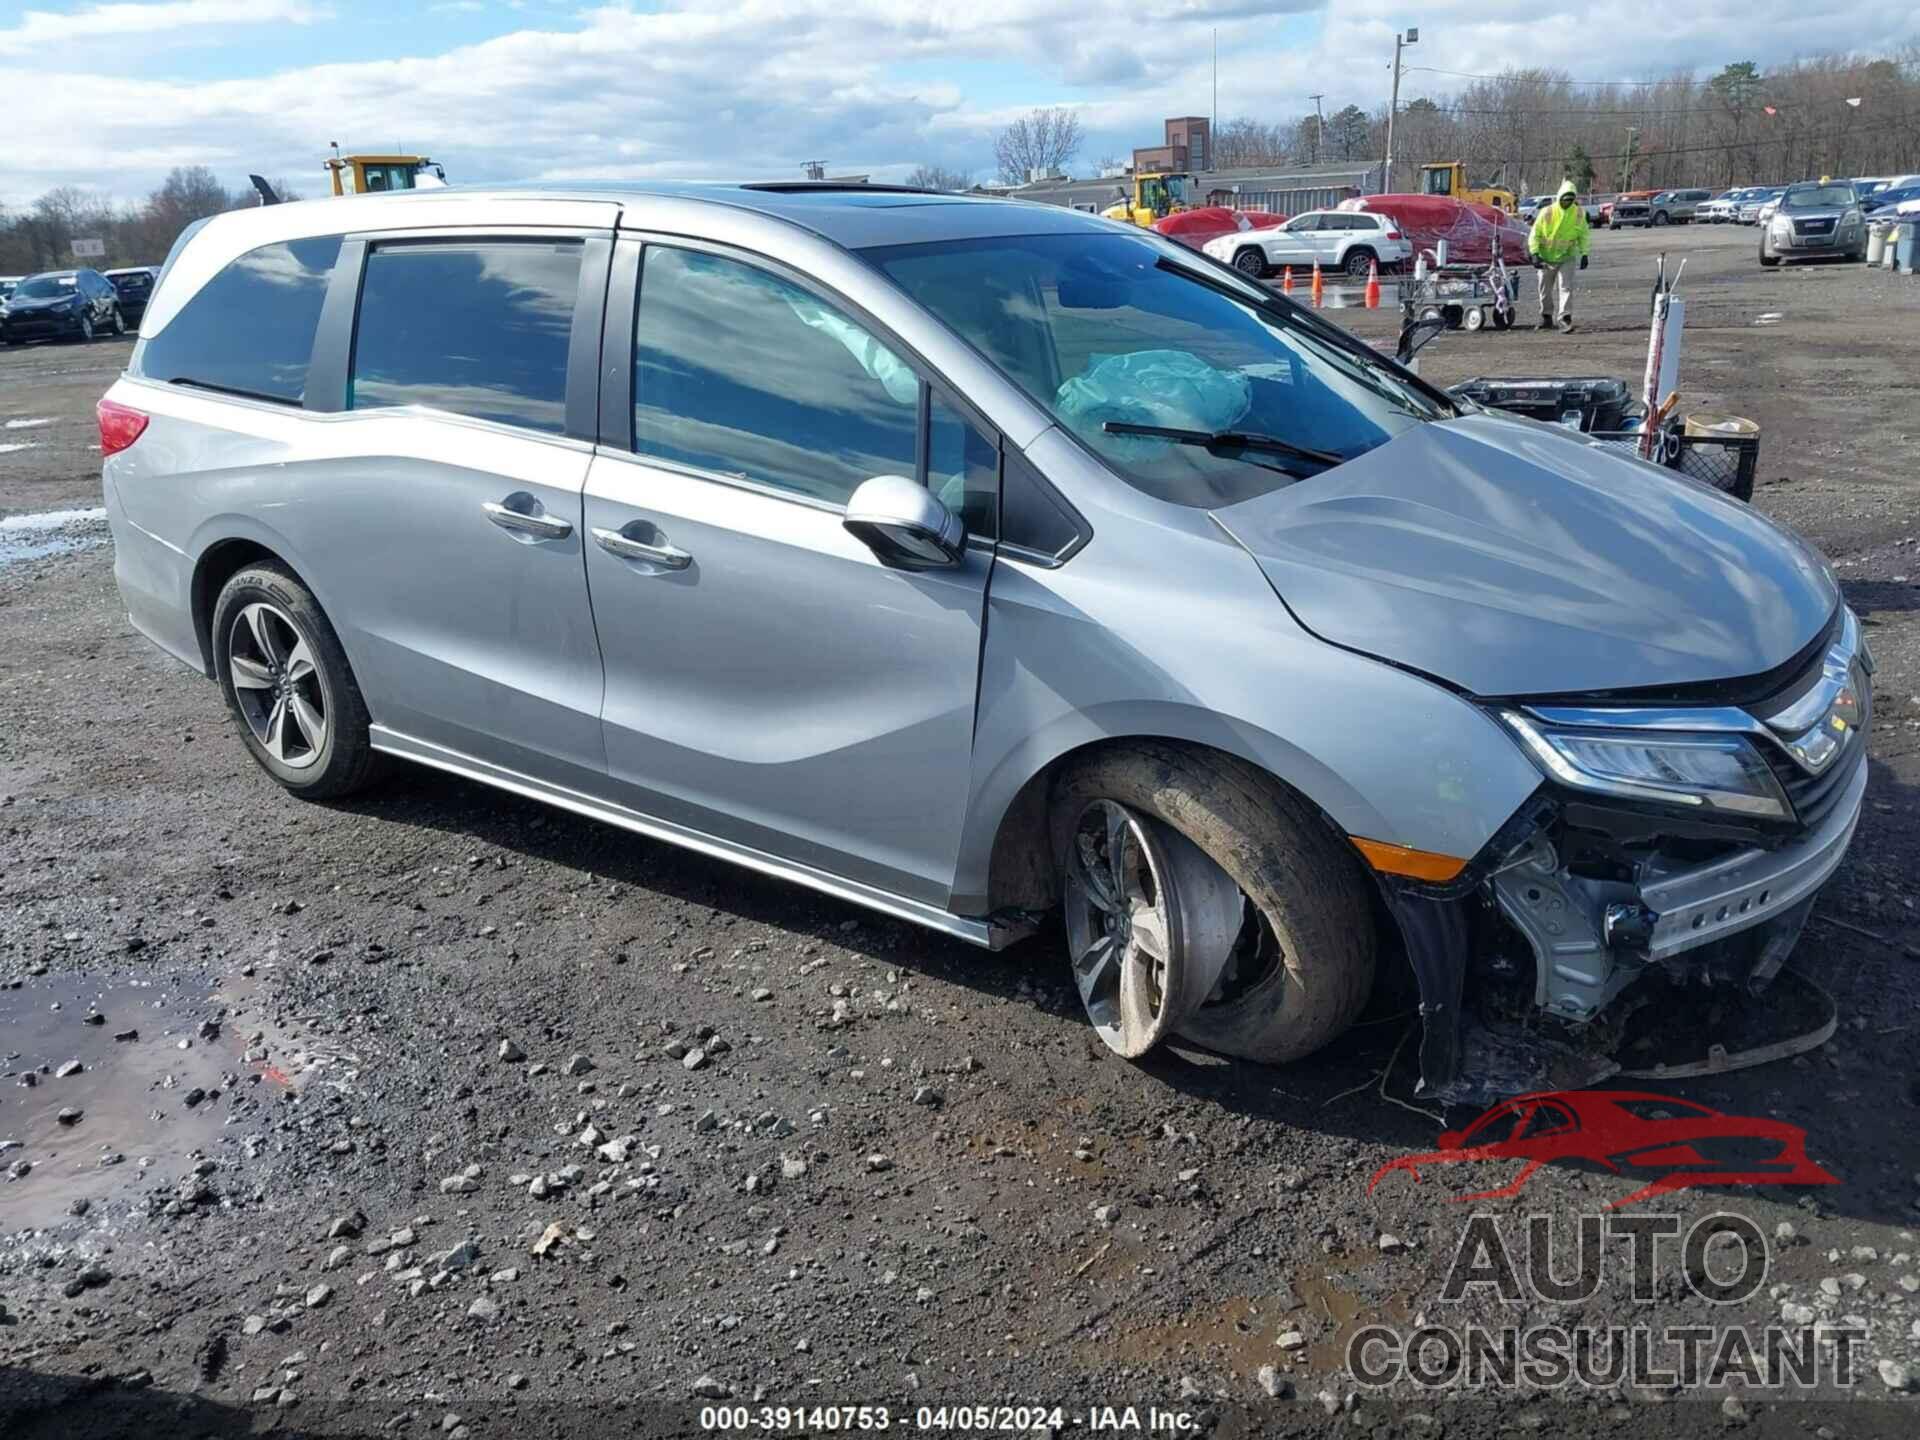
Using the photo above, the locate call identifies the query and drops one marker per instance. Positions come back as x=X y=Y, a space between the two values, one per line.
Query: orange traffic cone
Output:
x=1286 y=280
x=1373 y=285
x=1317 y=287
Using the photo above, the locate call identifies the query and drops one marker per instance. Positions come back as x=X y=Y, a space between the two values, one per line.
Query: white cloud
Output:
x=39 y=29
x=756 y=87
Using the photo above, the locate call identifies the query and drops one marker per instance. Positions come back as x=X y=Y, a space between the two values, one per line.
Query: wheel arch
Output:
x=1007 y=861
x=222 y=549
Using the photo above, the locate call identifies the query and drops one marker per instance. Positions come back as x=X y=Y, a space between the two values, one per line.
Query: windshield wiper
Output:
x=1225 y=440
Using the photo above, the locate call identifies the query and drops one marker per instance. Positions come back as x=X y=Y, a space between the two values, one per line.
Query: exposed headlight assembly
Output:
x=1697 y=771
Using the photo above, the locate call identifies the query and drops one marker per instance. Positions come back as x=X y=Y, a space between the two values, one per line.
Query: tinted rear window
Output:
x=473 y=327
x=249 y=330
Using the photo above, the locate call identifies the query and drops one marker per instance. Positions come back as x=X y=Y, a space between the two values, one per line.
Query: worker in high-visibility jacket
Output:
x=1558 y=245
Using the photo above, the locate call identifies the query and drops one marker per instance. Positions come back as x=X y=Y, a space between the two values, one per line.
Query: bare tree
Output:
x=1042 y=142
x=1244 y=141
x=938 y=177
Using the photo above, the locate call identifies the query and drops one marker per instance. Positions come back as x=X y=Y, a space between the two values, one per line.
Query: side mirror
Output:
x=905 y=524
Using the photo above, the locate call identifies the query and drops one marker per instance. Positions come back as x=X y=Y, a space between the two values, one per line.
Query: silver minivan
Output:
x=998 y=568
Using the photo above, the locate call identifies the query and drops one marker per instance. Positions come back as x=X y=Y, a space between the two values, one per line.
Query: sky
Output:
x=110 y=96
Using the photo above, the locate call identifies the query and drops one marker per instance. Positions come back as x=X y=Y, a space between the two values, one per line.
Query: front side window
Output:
x=741 y=372
x=1112 y=332
x=963 y=468
x=249 y=330
x=1303 y=224
x=472 y=327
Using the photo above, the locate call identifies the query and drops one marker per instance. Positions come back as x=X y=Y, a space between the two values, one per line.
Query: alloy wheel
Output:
x=1150 y=923
x=277 y=685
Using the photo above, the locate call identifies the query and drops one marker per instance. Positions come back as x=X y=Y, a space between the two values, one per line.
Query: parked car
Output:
x=134 y=284
x=1890 y=199
x=1605 y=216
x=1815 y=219
x=1347 y=240
x=1594 y=205
x=1531 y=205
x=1759 y=209
x=7 y=282
x=75 y=304
x=684 y=507
x=1720 y=209
x=1676 y=207
x=1635 y=207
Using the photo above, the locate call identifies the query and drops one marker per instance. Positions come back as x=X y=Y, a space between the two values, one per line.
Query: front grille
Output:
x=1814 y=227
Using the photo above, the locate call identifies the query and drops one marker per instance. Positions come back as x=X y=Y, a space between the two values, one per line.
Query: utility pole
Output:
x=1213 y=118
x=1626 y=161
x=1411 y=36
x=1319 y=127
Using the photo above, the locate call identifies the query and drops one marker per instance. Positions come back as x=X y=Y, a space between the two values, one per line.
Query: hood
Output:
x=1566 y=188
x=19 y=304
x=1509 y=557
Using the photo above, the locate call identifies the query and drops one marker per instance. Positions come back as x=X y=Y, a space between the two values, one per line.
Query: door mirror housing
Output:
x=905 y=524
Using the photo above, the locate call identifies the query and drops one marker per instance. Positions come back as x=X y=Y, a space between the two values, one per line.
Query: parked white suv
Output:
x=1349 y=240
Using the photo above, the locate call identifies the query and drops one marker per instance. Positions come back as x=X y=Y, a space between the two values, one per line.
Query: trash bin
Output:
x=1904 y=246
x=1877 y=242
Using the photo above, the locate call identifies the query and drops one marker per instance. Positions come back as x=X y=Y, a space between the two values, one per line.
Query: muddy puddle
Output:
x=110 y=1095
x=1316 y=1311
x=50 y=532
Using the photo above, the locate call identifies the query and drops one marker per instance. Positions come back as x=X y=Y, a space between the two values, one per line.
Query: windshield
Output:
x=1125 y=330
x=1817 y=197
x=44 y=287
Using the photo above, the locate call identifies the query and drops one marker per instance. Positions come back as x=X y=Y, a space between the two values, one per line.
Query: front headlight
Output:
x=1781 y=225
x=1707 y=772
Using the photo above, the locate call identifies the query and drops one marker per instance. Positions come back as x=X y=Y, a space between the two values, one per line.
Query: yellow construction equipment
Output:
x=1156 y=195
x=373 y=174
x=1449 y=177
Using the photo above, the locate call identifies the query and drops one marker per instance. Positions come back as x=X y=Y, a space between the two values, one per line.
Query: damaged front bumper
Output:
x=1581 y=895
x=1592 y=938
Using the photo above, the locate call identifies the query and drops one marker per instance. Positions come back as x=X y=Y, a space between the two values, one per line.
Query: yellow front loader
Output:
x=1156 y=195
x=1449 y=177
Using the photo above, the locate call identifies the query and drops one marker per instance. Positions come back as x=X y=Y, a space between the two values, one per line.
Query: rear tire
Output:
x=1250 y=261
x=86 y=329
x=288 y=685
x=119 y=322
x=1303 y=965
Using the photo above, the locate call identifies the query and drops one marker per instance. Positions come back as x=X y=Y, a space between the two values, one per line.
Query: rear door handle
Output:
x=545 y=526
x=668 y=557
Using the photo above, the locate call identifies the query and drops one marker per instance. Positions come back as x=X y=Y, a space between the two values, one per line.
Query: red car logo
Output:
x=1630 y=1132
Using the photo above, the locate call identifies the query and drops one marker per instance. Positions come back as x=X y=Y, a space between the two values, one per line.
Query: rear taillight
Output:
x=1393 y=234
x=120 y=426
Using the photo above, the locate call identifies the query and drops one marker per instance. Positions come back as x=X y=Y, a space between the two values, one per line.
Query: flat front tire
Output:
x=288 y=686
x=1288 y=962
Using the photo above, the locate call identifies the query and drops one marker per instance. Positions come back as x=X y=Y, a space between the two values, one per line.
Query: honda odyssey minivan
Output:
x=998 y=568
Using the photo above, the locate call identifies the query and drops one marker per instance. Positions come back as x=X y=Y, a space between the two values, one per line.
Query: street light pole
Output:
x=1400 y=40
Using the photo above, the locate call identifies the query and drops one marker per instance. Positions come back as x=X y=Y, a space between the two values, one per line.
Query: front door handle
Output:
x=668 y=557
x=545 y=526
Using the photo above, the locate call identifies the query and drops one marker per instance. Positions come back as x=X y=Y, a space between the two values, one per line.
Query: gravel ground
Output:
x=439 y=1113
